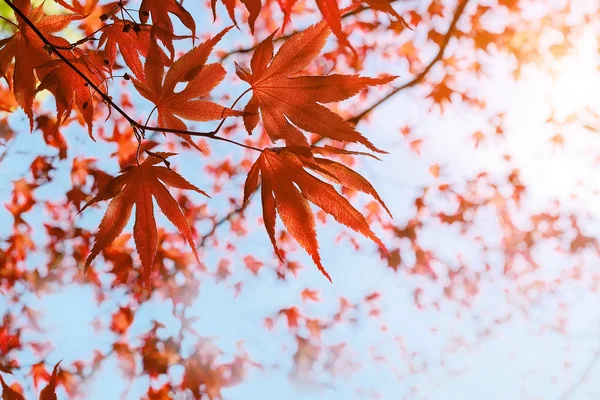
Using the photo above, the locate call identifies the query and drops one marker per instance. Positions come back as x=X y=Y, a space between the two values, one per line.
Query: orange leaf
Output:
x=187 y=103
x=253 y=264
x=70 y=89
x=293 y=315
x=49 y=392
x=288 y=102
x=121 y=320
x=386 y=6
x=287 y=189
x=137 y=185
x=315 y=327
x=333 y=17
x=132 y=44
x=8 y=393
x=331 y=14
x=339 y=173
x=28 y=51
x=160 y=10
x=434 y=170
x=329 y=150
x=253 y=7
x=38 y=371
x=308 y=294
x=162 y=393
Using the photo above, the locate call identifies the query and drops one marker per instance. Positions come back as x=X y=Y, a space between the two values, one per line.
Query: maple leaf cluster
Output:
x=142 y=76
x=290 y=106
x=285 y=102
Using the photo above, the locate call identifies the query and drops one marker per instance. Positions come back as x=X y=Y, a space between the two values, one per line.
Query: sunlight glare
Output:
x=556 y=158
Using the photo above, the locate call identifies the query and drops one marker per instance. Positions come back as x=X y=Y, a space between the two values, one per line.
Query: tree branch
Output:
x=588 y=369
x=417 y=79
x=220 y=222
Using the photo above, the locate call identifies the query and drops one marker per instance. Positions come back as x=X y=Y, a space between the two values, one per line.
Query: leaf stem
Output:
x=233 y=105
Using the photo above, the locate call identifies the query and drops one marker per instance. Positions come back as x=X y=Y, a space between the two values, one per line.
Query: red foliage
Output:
x=138 y=76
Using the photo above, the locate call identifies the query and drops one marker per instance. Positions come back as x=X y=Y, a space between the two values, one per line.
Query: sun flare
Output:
x=554 y=145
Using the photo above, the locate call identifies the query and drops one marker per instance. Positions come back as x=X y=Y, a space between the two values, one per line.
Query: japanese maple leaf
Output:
x=131 y=45
x=253 y=7
x=186 y=104
x=49 y=392
x=441 y=94
x=287 y=102
x=331 y=14
x=70 y=90
x=52 y=135
x=162 y=393
x=309 y=294
x=287 y=188
x=386 y=6
x=137 y=185
x=121 y=320
x=92 y=12
x=26 y=48
x=160 y=10
x=292 y=314
x=39 y=373
x=8 y=393
x=203 y=378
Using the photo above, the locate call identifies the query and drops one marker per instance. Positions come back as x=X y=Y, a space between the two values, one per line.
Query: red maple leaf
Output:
x=138 y=185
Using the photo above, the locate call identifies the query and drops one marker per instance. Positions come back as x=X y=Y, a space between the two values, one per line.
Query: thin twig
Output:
x=83 y=40
x=588 y=369
x=417 y=79
x=220 y=222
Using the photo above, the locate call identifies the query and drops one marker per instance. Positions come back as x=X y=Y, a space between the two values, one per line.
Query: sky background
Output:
x=515 y=362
